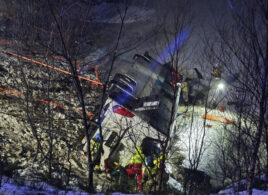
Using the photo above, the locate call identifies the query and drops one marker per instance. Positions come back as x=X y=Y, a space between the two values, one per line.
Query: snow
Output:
x=108 y=13
x=190 y=134
x=230 y=188
x=254 y=192
x=174 y=184
x=9 y=187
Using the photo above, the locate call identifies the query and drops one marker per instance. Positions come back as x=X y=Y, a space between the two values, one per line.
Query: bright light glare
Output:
x=221 y=86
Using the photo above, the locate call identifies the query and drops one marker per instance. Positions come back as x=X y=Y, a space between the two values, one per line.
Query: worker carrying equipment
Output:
x=135 y=166
x=112 y=167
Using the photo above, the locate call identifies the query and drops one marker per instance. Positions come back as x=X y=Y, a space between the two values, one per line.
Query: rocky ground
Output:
x=40 y=121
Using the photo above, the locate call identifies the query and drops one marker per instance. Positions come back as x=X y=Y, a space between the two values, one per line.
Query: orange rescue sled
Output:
x=217 y=118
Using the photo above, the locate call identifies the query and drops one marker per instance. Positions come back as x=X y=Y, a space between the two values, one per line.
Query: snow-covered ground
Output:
x=254 y=192
x=108 y=13
x=198 y=136
x=9 y=186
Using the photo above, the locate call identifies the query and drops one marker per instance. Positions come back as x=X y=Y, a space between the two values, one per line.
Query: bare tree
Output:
x=173 y=49
x=241 y=47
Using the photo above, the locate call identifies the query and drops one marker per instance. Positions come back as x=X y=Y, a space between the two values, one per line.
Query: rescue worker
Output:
x=153 y=173
x=117 y=173
x=183 y=84
x=95 y=154
x=216 y=71
x=112 y=167
x=135 y=166
x=185 y=91
x=160 y=166
x=149 y=178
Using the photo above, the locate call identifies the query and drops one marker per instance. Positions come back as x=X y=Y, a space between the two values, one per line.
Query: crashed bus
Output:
x=138 y=109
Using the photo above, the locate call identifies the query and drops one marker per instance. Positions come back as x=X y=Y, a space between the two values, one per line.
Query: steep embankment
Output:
x=40 y=116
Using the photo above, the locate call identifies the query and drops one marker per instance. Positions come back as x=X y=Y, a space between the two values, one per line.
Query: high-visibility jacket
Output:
x=151 y=171
x=138 y=158
x=135 y=166
x=94 y=146
x=185 y=91
x=158 y=161
x=216 y=72
x=111 y=165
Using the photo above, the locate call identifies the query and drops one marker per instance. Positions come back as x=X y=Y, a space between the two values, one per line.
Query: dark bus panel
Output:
x=147 y=80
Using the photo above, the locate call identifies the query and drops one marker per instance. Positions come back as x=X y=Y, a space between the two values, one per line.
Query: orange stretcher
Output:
x=217 y=118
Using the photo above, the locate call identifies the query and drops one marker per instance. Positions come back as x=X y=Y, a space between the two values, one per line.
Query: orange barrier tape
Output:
x=49 y=66
x=79 y=66
x=57 y=57
x=43 y=30
x=217 y=118
x=12 y=45
x=6 y=43
x=60 y=58
x=44 y=101
x=51 y=103
x=97 y=76
x=88 y=113
x=63 y=59
x=14 y=92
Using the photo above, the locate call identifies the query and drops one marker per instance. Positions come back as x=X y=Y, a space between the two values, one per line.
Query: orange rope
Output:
x=79 y=66
x=14 y=92
x=56 y=57
x=60 y=58
x=6 y=43
x=44 y=101
x=63 y=59
x=46 y=65
x=49 y=66
x=88 y=113
x=97 y=77
x=49 y=102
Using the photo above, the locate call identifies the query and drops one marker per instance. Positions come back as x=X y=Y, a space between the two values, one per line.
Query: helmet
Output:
x=150 y=161
x=97 y=137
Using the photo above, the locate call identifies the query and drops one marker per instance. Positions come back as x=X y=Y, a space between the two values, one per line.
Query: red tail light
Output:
x=122 y=111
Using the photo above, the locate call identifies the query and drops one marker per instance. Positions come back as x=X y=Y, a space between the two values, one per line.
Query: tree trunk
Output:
x=255 y=154
x=259 y=132
x=266 y=144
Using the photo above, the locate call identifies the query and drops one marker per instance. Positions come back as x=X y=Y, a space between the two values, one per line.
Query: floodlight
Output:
x=221 y=86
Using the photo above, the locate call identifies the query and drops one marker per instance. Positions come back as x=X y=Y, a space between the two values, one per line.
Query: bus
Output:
x=139 y=106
